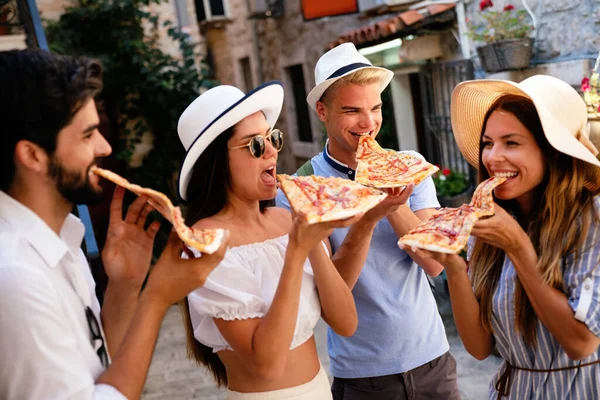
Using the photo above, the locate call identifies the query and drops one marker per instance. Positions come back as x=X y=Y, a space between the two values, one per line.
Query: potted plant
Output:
x=452 y=188
x=589 y=87
x=506 y=36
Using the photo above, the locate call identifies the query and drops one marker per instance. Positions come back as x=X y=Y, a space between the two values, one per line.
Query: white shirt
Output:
x=45 y=285
x=243 y=286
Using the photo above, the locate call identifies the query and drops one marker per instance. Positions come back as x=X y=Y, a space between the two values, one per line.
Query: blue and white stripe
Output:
x=582 y=286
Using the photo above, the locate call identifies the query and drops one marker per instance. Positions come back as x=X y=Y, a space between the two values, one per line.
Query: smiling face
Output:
x=78 y=146
x=350 y=111
x=509 y=149
x=252 y=179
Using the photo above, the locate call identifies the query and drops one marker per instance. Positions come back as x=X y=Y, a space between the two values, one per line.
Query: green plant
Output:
x=145 y=89
x=589 y=87
x=508 y=23
x=449 y=183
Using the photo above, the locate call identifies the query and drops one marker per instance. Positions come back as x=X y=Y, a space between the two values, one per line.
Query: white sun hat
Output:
x=336 y=63
x=561 y=110
x=216 y=110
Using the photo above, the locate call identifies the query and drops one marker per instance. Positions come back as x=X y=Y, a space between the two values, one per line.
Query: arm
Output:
x=465 y=307
x=350 y=258
x=551 y=305
x=263 y=343
x=126 y=257
x=337 y=303
x=171 y=279
x=402 y=221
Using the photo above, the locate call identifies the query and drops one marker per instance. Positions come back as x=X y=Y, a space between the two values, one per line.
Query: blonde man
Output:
x=400 y=349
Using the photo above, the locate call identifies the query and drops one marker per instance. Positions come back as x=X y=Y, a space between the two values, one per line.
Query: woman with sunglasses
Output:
x=252 y=323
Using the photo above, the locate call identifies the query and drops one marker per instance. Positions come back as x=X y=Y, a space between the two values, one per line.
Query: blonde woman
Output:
x=531 y=286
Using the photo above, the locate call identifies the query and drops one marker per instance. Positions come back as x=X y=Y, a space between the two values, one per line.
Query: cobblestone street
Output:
x=172 y=376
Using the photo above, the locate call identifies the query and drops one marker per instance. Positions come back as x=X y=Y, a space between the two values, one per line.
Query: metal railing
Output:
x=437 y=81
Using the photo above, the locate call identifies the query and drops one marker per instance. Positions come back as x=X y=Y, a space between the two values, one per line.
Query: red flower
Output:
x=446 y=171
x=585 y=84
x=483 y=4
x=509 y=7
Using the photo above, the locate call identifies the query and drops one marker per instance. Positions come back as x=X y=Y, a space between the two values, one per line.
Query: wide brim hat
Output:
x=561 y=110
x=336 y=63
x=217 y=110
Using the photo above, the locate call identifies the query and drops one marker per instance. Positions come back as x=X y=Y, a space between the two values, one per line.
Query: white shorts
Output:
x=317 y=389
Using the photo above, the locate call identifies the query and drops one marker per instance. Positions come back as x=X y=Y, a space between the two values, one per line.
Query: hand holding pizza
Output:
x=172 y=277
x=500 y=230
x=450 y=261
x=128 y=249
x=396 y=197
x=306 y=236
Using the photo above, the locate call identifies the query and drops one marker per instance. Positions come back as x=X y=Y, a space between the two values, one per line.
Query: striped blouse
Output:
x=582 y=287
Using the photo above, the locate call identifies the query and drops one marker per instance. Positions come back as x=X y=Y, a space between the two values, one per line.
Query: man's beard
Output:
x=74 y=187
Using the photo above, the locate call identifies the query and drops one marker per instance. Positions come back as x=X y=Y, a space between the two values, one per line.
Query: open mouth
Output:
x=268 y=176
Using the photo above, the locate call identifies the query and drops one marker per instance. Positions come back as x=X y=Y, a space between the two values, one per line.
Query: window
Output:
x=296 y=78
x=207 y=10
x=246 y=73
x=182 y=14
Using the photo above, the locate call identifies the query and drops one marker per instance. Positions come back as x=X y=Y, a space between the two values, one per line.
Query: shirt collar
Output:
x=337 y=165
x=50 y=246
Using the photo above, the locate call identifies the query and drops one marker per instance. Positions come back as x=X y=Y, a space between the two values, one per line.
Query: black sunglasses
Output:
x=96 y=334
x=257 y=145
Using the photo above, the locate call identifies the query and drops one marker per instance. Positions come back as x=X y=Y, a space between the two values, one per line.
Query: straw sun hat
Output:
x=561 y=110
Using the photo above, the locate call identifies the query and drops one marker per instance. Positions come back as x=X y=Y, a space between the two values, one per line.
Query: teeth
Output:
x=505 y=174
x=362 y=134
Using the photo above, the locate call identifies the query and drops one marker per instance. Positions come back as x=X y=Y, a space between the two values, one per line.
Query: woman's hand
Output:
x=500 y=230
x=306 y=236
x=450 y=262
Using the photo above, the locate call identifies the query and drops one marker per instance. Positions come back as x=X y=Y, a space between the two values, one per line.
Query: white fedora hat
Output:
x=216 y=110
x=561 y=110
x=336 y=63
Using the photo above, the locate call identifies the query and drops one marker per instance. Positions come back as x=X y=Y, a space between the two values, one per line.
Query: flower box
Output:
x=506 y=54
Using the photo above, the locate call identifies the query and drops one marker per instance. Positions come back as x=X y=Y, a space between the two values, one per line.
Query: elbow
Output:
x=348 y=328
x=582 y=349
x=345 y=324
x=479 y=352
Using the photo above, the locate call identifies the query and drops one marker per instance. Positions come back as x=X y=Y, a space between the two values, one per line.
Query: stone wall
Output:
x=566 y=28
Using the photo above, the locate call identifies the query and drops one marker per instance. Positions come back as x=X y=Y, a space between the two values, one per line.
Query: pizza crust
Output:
x=204 y=240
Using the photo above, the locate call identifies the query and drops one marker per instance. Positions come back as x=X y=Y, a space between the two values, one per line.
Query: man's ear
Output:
x=31 y=156
x=321 y=111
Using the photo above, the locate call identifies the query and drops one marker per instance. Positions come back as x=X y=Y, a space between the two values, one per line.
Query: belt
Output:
x=505 y=379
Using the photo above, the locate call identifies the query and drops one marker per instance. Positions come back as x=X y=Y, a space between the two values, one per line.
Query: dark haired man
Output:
x=54 y=340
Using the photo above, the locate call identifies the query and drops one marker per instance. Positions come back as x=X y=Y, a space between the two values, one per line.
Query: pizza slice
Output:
x=328 y=199
x=483 y=199
x=448 y=230
x=381 y=168
x=204 y=240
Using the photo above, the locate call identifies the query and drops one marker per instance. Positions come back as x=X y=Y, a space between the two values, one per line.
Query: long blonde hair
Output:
x=557 y=228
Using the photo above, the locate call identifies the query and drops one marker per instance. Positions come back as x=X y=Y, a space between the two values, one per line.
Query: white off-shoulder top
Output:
x=243 y=286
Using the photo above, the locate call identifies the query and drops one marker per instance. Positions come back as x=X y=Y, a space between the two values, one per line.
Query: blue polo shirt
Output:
x=399 y=327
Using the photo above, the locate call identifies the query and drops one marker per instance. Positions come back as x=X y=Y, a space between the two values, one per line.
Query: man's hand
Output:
x=128 y=249
x=396 y=197
x=172 y=277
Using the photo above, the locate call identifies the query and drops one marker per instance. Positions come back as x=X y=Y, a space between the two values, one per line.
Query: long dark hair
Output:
x=206 y=196
x=557 y=227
